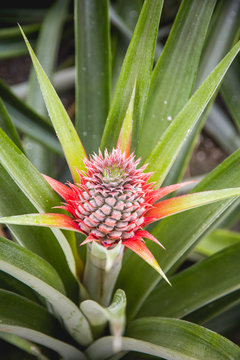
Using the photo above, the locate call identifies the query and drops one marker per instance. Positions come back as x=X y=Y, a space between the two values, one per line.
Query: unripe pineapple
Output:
x=112 y=198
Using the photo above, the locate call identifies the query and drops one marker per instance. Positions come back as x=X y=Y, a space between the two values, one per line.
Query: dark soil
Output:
x=206 y=156
x=16 y=70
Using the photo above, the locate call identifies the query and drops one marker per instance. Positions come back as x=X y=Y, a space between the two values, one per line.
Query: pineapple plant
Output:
x=86 y=278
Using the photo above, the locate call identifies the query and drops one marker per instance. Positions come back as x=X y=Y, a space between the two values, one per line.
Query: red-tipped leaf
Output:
x=137 y=245
x=64 y=191
x=185 y=202
x=49 y=220
x=147 y=235
x=89 y=239
x=124 y=140
x=160 y=193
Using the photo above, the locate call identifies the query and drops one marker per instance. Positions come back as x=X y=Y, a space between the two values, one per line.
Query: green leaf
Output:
x=197 y=286
x=189 y=341
x=116 y=312
x=35 y=187
x=191 y=225
x=136 y=69
x=232 y=217
x=178 y=204
x=229 y=91
x=93 y=71
x=48 y=43
x=64 y=128
x=25 y=318
x=50 y=220
x=28 y=121
x=169 y=339
x=220 y=37
x=216 y=241
x=28 y=262
x=125 y=136
x=98 y=316
x=226 y=323
x=8 y=127
x=23 y=344
x=220 y=128
x=15 y=353
x=215 y=308
x=174 y=75
x=123 y=17
x=165 y=152
x=39 y=240
x=39 y=275
x=7 y=282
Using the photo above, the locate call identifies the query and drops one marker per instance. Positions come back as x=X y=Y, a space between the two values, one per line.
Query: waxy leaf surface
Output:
x=170 y=339
x=165 y=152
x=71 y=144
x=197 y=286
x=72 y=317
x=25 y=318
x=136 y=70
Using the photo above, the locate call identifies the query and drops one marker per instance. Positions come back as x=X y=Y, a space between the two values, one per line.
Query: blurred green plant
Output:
x=56 y=297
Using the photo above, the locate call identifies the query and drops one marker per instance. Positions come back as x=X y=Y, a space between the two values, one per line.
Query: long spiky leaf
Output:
x=185 y=202
x=124 y=140
x=165 y=152
x=68 y=137
x=50 y=220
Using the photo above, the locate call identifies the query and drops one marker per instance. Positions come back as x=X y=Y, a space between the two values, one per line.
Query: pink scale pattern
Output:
x=110 y=202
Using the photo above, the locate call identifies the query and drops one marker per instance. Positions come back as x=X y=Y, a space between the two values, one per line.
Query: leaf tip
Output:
x=125 y=136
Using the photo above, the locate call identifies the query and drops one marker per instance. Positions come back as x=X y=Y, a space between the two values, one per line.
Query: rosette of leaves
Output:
x=61 y=301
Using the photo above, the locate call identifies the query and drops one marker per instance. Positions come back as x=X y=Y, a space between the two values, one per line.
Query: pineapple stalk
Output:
x=101 y=271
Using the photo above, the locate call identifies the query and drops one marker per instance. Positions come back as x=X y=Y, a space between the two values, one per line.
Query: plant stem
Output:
x=101 y=271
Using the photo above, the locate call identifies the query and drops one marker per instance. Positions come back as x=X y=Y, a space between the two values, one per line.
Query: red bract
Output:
x=113 y=202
